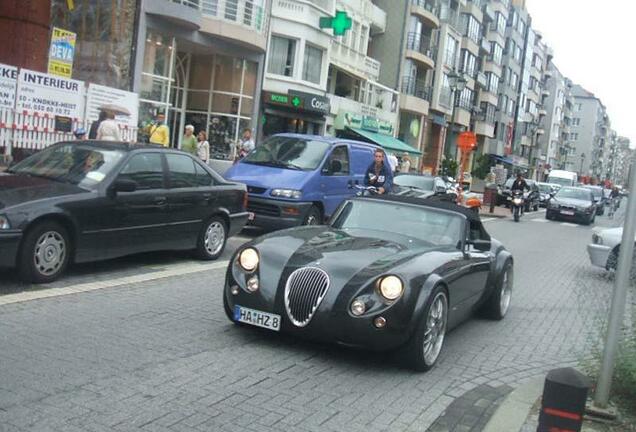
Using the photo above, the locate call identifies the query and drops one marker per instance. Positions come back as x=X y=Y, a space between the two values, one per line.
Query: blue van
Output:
x=295 y=179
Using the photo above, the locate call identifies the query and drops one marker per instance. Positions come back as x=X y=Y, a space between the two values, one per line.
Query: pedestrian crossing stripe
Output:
x=568 y=224
x=539 y=220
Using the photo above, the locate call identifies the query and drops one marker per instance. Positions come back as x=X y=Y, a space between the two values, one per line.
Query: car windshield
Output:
x=544 y=187
x=574 y=193
x=414 y=181
x=75 y=163
x=560 y=181
x=289 y=152
x=596 y=191
x=433 y=226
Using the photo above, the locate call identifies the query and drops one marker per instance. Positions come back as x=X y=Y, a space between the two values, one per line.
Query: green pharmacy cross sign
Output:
x=340 y=23
x=296 y=101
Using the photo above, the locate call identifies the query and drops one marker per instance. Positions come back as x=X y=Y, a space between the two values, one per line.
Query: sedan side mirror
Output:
x=480 y=245
x=123 y=185
x=440 y=189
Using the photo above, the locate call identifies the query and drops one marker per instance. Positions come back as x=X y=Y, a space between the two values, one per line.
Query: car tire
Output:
x=44 y=253
x=422 y=354
x=498 y=303
x=313 y=216
x=536 y=207
x=212 y=239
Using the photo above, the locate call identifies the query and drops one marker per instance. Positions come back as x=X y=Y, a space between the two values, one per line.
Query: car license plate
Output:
x=567 y=212
x=257 y=318
x=250 y=216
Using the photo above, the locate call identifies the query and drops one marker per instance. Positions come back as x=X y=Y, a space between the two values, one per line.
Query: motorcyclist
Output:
x=519 y=184
x=379 y=174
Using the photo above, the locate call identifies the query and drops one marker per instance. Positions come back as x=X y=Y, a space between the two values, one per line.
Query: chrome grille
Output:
x=304 y=291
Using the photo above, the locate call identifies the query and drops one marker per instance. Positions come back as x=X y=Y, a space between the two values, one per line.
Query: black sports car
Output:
x=387 y=273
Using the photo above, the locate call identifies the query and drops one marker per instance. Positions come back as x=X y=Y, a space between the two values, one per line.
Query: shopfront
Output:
x=294 y=112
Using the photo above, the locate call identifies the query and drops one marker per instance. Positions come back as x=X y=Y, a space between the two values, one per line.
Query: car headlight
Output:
x=4 y=223
x=391 y=287
x=597 y=239
x=287 y=193
x=248 y=259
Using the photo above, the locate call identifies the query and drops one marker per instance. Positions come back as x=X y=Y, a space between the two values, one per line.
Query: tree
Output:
x=449 y=167
x=482 y=167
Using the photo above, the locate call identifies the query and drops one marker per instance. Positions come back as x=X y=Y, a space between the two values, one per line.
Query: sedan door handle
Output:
x=161 y=201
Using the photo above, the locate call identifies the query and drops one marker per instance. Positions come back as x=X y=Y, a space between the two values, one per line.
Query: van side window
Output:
x=338 y=162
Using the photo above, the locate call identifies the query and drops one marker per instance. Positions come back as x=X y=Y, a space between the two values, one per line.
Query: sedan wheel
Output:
x=313 y=217
x=212 y=239
x=44 y=253
x=499 y=302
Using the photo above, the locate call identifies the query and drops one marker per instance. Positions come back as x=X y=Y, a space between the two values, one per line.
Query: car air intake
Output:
x=304 y=291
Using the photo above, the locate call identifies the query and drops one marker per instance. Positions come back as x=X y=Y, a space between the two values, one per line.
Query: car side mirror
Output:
x=440 y=189
x=123 y=185
x=480 y=245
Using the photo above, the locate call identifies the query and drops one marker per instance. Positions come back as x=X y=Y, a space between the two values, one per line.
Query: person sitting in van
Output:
x=379 y=174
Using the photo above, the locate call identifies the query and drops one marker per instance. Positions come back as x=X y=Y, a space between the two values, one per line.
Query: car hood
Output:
x=266 y=176
x=343 y=254
x=571 y=201
x=19 y=189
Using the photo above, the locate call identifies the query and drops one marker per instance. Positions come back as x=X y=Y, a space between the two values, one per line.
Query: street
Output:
x=160 y=354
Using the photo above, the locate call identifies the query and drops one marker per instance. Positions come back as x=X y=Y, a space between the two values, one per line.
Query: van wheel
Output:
x=313 y=217
x=45 y=253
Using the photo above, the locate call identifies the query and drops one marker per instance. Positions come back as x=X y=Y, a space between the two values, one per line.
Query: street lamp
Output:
x=457 y=83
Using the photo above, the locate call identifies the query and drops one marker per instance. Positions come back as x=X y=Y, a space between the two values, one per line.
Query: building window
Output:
x=513 y=19
x=469 y=62
x=493 y=82
x=499 y=25
x=312 y=64
x=472 y=28
x=576 y=121
x=465 y=99
x=521 y=27
x=489 y=112
x=574 y=136
x=451 y=51
x=445 y=93
x=281 y=56
x=510 y=109
x=517 y=53
x=496 y=53
x=514 y=80
x=364 y=31
x=578 y=107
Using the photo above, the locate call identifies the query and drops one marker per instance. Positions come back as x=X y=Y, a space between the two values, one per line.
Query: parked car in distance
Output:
x=421 y=186
x=599 y=199
x=572 y=203
x=387 y=273
x=546 y=191
x=295 y=179
x=85 y=201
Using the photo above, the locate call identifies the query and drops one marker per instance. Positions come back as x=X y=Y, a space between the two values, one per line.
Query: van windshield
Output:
x=288 y=152
x=560 y=181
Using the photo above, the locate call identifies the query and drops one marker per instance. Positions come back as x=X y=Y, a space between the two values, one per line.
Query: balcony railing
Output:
x=249 y=13
x=414 y=87
x=429 y=5
x=422 y=44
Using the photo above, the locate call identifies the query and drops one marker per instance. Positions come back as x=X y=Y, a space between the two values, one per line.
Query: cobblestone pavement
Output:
x=161 y=356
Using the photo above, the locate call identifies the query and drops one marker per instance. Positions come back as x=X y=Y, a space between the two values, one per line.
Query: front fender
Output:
x=424 y=294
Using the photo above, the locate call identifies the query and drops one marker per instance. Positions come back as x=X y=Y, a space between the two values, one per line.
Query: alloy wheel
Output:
x=49 y=253
x=435 y=330
x=214 y=238
x=506 y=291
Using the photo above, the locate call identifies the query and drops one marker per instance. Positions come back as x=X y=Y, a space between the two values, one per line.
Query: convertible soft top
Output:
x=428 y=202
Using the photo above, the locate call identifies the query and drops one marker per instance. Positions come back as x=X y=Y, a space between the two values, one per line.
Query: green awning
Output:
x=386 y=141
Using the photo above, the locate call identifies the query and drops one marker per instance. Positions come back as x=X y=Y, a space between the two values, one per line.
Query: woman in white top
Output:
x=203 y=147
x=109 y=129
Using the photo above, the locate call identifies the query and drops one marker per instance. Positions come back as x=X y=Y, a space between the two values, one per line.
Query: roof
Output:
x=327 y=139
x=426 y=202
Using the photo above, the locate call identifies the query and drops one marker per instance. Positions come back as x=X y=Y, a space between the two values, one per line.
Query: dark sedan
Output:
x=572 y=203
x=599 y=199
x=422 y=186
x=387 y=273
x=85 y=201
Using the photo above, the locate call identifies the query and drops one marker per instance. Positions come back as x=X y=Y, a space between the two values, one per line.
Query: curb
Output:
x=513 y=411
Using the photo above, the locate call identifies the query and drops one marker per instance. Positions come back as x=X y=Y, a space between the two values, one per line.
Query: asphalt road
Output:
x=157 y=353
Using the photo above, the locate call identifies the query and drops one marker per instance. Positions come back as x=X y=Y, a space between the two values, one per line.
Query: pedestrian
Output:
x=92 y=133
x=405 y=167
x=246 y=144
x=203 y=147
x=393 y=162
x=189 y=141
x=379 y=174
x=109 y=129
x=159 y=131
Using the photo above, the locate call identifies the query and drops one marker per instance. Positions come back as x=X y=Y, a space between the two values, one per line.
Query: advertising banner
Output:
x=8 y=85
x=62 y=52
x=124 y=104
x=50 y=94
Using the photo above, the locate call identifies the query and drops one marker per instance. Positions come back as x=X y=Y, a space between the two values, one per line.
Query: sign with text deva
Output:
x=62 y=52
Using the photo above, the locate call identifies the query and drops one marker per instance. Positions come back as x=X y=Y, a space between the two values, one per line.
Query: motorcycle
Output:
x=517 y=203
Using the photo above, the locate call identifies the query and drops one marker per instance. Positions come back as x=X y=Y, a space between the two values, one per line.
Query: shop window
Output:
x=198 y=100
x=200 y=72
x=221 y=134
x=144 y=169
x=282 y=52
x=249 y=80
x=247 y=105
x=223 y=103
x=312 y=64
x=227 y=74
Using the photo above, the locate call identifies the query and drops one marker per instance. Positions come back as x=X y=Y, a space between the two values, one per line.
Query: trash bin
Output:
x=490 y=196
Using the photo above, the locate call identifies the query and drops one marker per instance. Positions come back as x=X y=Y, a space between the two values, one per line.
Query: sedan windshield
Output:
x=74 y=163
x=414 y=181
x=289 y=152
x=574 y=193
x=433 y=226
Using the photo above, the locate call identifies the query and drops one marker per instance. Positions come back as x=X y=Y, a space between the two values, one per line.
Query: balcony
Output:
x=484 y=47
x=427 y=10
x=482 y=80
x=354 y=62
x=488 y=12
x=548 y=74
x=416 y=95
x=341 y=104
x=418 y=48
x=545 y=93
x=378 y=19
x=183 y=13
x=542 y=112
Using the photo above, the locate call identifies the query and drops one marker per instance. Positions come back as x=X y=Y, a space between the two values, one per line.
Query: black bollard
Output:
x=563 y=404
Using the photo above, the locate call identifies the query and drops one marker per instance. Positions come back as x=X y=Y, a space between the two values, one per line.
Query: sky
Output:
x=594 y=45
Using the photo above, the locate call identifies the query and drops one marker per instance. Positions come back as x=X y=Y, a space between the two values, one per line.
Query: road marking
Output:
x=488 y=219
x=539 y=220
x=176 y=270
x=569 y=224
